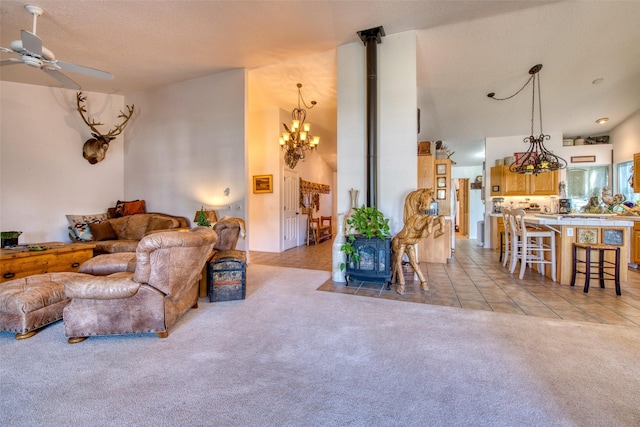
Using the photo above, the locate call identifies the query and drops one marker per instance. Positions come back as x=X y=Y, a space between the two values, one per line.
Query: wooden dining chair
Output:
x=529 y=246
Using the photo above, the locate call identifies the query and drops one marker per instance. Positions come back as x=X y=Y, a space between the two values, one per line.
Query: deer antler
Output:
x=117 y=130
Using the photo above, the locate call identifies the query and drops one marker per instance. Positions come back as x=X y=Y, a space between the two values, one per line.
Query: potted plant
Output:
x=9 y=238
x=365 y=221
x=202 y=219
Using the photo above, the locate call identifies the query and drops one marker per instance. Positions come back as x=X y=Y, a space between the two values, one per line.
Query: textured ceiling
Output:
x=465 y=50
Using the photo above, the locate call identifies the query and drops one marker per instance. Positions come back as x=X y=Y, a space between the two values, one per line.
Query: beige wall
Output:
x=43 y=175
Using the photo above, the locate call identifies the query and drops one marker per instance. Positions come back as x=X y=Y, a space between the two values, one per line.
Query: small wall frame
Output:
x=587 y=235
x=262 y=184
x=441 y=194
x=442 y=182
x=614 y=237
x=441 y=169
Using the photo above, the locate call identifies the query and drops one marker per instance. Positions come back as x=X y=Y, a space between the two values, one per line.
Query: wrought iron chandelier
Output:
x=295 y=141
x=538 y=158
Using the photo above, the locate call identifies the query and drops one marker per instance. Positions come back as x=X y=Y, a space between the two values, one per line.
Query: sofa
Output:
x=115 y=235
x=162 y=287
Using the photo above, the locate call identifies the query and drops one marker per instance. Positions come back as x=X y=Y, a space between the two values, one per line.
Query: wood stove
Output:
x=375 y=261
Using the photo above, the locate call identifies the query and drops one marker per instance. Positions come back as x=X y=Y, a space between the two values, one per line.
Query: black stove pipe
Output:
x=371 y=38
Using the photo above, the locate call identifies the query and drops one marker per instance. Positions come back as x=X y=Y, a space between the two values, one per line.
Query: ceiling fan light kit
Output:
x=34 y=54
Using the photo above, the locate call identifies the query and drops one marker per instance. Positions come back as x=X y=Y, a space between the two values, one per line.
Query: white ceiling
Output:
x=465 y=50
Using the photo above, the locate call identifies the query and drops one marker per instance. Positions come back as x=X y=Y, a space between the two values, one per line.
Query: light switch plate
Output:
x=569 y=232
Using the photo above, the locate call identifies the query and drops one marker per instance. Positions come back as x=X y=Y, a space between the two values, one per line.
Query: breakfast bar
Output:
x=584 y=228
x=609 y=229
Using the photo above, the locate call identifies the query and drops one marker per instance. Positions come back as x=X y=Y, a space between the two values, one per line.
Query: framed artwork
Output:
x=263 y=184
x=442 y=194
x=587 y=235
x=442 y=182
x=441 y=169
x=613 y=237
x=583 y=159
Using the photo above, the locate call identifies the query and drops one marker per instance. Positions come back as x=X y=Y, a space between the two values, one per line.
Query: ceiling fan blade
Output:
x=66 y=81
x=10 y=61
x=31 y=42
x=83 y=70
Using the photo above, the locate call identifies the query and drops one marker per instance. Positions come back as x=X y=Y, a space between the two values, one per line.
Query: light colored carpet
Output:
x=289 y=355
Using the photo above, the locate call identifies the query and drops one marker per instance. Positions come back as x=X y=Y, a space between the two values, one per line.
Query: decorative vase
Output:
x=338 y=256
x=353 y=195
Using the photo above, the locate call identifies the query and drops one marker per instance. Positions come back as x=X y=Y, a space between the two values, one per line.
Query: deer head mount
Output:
x=95 y=149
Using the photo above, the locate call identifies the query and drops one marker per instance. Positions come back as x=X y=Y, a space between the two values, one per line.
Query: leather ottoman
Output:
x=29 y=303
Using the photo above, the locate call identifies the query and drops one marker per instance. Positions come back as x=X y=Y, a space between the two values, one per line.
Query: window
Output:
x=625 y=174
x=585 y=182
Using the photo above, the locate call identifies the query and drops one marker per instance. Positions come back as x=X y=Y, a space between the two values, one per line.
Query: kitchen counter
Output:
x=610 y=229
x=579 y=219
x=607 y=220
x=571 y=228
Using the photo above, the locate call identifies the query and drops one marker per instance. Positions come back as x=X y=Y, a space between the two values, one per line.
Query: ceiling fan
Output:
x=34 y=54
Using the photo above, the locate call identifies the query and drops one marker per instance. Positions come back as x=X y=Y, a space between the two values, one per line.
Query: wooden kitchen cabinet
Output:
x=635 y=243
x=497 y=227
x=431 y=173
x=544 y=184
x=507 y=183
x=636 y=176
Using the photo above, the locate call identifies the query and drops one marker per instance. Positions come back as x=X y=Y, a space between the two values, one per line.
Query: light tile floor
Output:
x=475 y=279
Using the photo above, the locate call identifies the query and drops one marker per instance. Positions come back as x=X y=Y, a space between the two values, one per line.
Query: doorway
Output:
x=462 y=207
x=290 y=201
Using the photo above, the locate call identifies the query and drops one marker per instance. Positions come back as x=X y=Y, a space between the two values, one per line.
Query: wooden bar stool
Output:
x=601 y=264
x=529 y=247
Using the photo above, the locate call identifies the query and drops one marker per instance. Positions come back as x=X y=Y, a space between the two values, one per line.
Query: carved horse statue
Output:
x=417 y=225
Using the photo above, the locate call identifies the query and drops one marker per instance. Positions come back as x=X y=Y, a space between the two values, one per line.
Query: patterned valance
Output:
x=307 y=187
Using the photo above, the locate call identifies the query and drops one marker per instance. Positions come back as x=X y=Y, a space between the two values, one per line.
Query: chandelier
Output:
x=297 y=139
x=537 y=159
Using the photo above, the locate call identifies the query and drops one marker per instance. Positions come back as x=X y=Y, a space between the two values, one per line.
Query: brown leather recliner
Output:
x=151 y=299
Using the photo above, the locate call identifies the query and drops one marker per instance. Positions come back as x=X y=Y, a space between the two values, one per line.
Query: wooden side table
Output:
x=56 y=256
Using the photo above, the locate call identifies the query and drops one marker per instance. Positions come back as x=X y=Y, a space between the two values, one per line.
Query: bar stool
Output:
x=527 y=245
x=601 y=264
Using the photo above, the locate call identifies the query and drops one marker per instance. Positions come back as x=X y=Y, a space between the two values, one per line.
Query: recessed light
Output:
x=598 y=81
x=602 y=120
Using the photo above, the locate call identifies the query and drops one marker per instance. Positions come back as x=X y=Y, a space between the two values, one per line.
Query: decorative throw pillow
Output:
x=130 y=208
x=79 y=228
x=137 y=207
x=102 y=231
x=84 y=219
x=82 y=232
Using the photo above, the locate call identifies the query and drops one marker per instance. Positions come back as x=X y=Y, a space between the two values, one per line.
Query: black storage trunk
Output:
x=227 y=276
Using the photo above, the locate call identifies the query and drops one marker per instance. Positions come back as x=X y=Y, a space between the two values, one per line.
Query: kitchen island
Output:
x=584 y=228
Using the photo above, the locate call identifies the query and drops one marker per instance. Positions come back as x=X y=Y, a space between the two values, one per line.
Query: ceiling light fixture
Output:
x=537 y=159
x=602 y=121
x=297 y=139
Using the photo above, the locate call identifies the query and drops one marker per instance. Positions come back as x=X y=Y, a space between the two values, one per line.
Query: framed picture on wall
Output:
x=442 y=194
x=442 y=182
x=262 y=184
x=441 y=169
x=613 y=237
x=587 y=235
